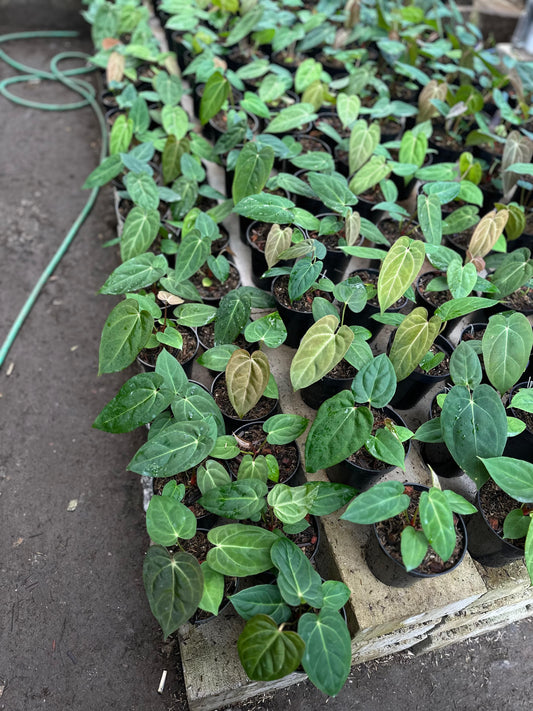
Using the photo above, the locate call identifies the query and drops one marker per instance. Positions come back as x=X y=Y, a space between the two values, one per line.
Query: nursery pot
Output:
x=361 y=478
x=296 y=322
x=315 y=394
x=288 y=455
x=520 y=446
x=411 y=389
x=424 y=301
x=486 y=545
x=259 y=263
x=437 y=455
x=147 y=357
x=391 y=571
x=265 y=407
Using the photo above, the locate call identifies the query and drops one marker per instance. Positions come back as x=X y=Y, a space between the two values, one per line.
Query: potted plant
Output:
x=417 y=534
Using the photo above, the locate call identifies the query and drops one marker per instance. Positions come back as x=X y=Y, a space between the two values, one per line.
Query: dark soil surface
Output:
x=436 y=298
x=184 y=354
x=206 y=334
x=286 y=454
x=258 y=412
x=496 y=504
x=342 y=371
x=520 y=300
x=389 y=533
x=77 y=630
x=362 y=458
x=192 y=492
x=304 y=304
x=217 y=289
x=393 y=230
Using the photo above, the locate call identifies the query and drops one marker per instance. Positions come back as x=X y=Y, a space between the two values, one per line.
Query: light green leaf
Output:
x=401 y=265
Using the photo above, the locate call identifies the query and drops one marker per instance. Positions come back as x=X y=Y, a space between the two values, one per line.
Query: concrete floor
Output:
x=76 y=630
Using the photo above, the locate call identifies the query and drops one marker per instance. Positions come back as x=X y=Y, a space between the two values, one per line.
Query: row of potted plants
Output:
x=175 y=282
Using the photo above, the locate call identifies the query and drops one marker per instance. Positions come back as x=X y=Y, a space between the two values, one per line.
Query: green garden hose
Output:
x=86 y=91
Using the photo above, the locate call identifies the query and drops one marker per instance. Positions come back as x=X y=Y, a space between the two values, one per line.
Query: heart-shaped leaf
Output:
x=125 y=332
x=297 y=580
x=384 y=500
x=412 y=341
x=247 y=376
x=321 y=348
x=167 y=520
x=506 y=345
x=261 y=600
x=399 y=268
x=240 y=550
x=266 y=652
x=173 y=585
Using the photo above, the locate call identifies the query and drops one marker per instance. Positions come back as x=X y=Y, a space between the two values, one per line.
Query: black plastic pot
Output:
x=335 y=262
x=233 y=422
x=410 y=390
x=421 y=300
x=297 y=323
x=485 y=545
x=239 y=433
x=316 y=393
x=347 y=472
x=437 y=455
x=520 y=446
x=148 y=366
x=391 y=571
x=259 y=263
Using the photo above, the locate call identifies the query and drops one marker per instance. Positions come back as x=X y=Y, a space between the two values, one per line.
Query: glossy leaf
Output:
x=436 y=518
x=247 y=376
x=124 y=334
x=291 y=117
x=225 y=448
x=371 y=173
x=339 y=429
x=137 y=273
x=461 y=279
x=429 y=212
x=191 y=254
x=291 y=503
x=137 y=402
x=169 y=368
x=233 y=315
x=266 y=652
x=108 y=169
x=523 y=400
x=240 y=500
x=414 y=546
x=401 y=265
x=140 y=230
x=327 y=657
x=458 y=503
x=514 y=476
x=297 y=580
x=195 y=315
x=142 y=190
x=121 y=135
x=173 y=585
x=261 y=600
x=384 y=500
x=336 y=594
x=266 y=208
x=302 y=277
x=269 y=329
x=212 y=475
x=252 y=170
x=167 y=520
x=333 y=191
x=364 y=140
x=474 y=425
x=506 y=345
x=329 y=497
x=217 y=358
x=283 y=429
x=386 y=447
x=375 y=382
x=194 y=403
x=456 y=308
x=465 y=366
x=412 y=341
x=176 y=449
x=321 y=348
x=516 y=525
x=216 y=91
x=213 y=592
x=240 y=550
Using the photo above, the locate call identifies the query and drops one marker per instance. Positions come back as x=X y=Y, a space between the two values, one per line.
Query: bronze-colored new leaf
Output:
x=246 y=379
x=486 y=234
x=432 y=90
x=115 y=67
x=277 y=241
x=518 y=149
